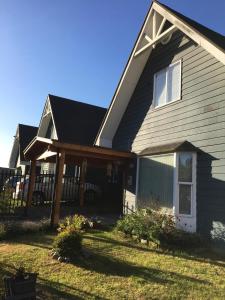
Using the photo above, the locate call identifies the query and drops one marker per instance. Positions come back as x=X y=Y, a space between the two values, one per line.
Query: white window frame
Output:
x=177 y=184
x=154 y=85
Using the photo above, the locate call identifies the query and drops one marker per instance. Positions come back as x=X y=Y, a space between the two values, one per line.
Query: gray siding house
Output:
x=24 y=135
x=169 y=109
x=69 y=121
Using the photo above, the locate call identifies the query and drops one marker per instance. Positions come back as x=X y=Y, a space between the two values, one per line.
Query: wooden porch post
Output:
x=31 y=184
x=82 y=181
x=55 y=214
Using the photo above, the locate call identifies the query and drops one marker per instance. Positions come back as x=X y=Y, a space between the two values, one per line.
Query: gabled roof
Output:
x=75 y=122
x=152 y=32
x=26 y=134
x=217 y=38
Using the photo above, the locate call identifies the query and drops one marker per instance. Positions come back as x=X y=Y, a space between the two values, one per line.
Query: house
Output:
x=69 y=121
x=169 y=109
x=24 y=135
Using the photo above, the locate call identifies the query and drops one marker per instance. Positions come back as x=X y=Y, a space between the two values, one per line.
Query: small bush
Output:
x=68 y=243
x=156 y=227
x=3 y=232
x=79 y=222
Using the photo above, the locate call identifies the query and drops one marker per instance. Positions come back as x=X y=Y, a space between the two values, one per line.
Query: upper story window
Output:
x=167 y=85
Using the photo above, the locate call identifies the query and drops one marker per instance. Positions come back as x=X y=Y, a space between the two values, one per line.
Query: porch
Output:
x=102 y=169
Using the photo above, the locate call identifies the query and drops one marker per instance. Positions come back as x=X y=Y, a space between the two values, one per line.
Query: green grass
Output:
x=117 y=269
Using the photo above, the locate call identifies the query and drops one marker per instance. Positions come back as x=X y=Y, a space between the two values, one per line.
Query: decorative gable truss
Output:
x=158 y=27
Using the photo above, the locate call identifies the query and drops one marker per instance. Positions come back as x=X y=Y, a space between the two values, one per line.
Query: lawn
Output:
x=117 y=269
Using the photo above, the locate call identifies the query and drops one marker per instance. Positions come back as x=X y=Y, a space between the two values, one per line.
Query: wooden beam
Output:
x=55 y=214
x=46 y=155
x=154 y=25
x=157 y=39
x=89 y=149
x=148 y=38
x=31 y=184
x=82 y=181
x=161 y=27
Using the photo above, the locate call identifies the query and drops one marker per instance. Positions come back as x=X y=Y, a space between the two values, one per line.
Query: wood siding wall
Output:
x=198 y=117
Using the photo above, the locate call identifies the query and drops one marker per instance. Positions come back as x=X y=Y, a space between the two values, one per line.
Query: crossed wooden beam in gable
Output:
x=157 y=33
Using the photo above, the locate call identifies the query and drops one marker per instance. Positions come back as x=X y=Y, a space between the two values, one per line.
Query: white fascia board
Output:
x=122 y=95
x=192 y=33
x=55 y=131
x=136 y=65
x=48 y=102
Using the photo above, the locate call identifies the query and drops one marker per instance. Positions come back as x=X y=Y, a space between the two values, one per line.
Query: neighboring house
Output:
x=169 y=109
x=69 y=121
x=24 y=135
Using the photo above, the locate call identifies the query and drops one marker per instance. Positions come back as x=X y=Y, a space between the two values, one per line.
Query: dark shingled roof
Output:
x=170 y=148
x=76 y=122
x=214 y=36
x=26 y=135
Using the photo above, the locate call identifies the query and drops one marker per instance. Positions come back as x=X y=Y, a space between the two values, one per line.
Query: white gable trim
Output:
x=149 y=33
x=45 y=113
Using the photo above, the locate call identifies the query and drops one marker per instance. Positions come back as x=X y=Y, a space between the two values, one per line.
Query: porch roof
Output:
x=43 y=149
x=169 y=148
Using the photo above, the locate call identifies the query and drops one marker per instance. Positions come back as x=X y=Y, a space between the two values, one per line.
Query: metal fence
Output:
x=14 y=191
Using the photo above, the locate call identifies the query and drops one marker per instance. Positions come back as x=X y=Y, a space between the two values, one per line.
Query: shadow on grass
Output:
x=110 y=266
x=200 y=255
x=47 y=289
x=37 y=239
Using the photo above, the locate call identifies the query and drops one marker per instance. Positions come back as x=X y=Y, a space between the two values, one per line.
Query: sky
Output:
x=76 y=49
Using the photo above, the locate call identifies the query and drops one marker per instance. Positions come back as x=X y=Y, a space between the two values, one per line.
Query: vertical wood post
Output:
x=55 y=214
x=31 y=184
x=124 y=187
x=82 y=181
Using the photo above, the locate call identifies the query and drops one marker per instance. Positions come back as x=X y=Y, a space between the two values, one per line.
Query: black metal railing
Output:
x=14 y=191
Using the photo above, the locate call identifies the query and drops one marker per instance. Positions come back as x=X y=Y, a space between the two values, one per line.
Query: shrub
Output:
x=3 y=232
x=78 y=222
x=156 y=227
x=68 y=243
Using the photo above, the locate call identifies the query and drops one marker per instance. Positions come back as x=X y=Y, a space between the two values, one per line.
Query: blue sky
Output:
x=73 y=48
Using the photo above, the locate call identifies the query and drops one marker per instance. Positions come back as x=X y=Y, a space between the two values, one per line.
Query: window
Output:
x=155 y=183
x=185 y=182
x=167 y=85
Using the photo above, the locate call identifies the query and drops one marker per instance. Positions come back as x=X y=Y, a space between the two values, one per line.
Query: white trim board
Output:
x=148 y=37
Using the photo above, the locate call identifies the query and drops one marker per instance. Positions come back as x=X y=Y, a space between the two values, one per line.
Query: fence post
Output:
x=31 y=185
x=55 y=214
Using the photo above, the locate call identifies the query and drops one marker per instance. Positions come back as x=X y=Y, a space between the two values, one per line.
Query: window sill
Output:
x=156 y=108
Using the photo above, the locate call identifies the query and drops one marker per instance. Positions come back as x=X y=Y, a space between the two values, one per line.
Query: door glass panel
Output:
x=185 y=167
x=184 y=199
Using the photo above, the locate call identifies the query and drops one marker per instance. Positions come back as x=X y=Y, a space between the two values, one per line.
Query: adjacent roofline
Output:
x=43 y=148
x=179 y=146
x=129 y=80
